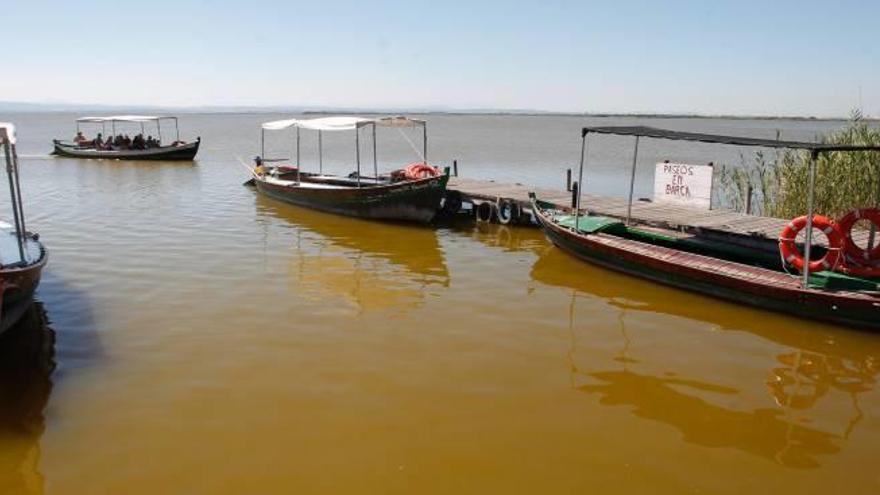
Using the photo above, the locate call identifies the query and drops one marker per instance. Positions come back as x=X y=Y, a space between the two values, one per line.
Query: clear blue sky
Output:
x=736 y=57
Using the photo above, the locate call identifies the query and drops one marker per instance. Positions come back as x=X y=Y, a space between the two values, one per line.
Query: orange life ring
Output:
x=851 y=249
x=422 y=170
x=792 y=256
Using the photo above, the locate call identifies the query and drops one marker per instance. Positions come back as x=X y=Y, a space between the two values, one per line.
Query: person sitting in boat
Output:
x=98 y=141
x=80 y=139
x=259 y=170
x=108 y=144
x=152 y=143
x=126 y=141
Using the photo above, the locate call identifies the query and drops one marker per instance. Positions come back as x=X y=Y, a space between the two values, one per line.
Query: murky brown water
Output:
x=213 y=341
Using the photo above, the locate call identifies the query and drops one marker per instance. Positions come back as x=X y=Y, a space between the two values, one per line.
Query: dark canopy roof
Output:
x=654 y=132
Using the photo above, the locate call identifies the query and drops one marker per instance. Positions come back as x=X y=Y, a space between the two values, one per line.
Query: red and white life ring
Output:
x=792 y=256
x=852 y=250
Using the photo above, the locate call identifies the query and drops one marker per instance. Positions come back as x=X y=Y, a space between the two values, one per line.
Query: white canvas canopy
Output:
x=137 y=119
x=7 y=133
x=340 y=123
x=122 y=118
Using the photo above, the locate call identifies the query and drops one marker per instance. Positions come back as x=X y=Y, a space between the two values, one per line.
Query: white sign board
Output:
x=685 y=184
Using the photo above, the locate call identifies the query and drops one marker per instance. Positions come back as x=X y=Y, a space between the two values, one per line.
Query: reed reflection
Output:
x=817 y=360
x=370 y=265
x=26 y=365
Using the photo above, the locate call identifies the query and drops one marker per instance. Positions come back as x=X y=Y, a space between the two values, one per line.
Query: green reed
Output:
x=776 y=182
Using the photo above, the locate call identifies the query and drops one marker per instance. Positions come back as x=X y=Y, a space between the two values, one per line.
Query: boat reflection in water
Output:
x=369 y=265
x=26 y=364
x=792 y=405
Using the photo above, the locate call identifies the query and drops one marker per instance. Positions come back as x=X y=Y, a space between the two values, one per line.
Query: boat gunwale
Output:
x=779 y=283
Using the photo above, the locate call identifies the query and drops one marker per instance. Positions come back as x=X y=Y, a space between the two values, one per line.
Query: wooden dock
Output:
x=739 y=228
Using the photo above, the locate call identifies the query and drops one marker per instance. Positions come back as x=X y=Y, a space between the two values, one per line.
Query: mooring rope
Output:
x=411 y=144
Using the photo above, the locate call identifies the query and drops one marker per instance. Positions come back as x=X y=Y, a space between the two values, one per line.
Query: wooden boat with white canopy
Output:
x=22 y=256
x=413 y=193
x=112 y=145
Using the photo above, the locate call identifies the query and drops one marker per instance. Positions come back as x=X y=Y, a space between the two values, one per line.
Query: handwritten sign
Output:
x=682 y=183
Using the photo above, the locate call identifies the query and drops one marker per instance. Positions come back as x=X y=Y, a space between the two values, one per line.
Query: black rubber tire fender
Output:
x=485 y=211
x=508 y=211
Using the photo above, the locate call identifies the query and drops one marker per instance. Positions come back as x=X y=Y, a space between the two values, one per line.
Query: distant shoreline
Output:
x=23 y=107
x=501 y=113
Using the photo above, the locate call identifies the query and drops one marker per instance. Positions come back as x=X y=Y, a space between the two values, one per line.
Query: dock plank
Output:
x=667 y=215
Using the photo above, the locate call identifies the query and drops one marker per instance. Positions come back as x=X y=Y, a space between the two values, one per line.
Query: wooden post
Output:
x=574 y=194
x=357 y=152
x=749 y=199
x=568 y=180
x=455 y=168
x=375 y=160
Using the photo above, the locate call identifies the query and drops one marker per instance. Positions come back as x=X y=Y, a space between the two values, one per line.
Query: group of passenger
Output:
x=119 y=142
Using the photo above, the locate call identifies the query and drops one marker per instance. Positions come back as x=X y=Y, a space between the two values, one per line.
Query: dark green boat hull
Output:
x=412 y=201
x=859 y=310
x=184 y=152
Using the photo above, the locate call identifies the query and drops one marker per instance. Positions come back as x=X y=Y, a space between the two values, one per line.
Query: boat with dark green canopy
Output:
x=832 y=286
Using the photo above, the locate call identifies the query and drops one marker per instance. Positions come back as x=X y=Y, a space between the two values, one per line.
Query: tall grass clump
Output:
x=779 y=185
x=753 y=186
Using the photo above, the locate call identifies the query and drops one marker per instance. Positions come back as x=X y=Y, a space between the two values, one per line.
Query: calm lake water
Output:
x=209 y=340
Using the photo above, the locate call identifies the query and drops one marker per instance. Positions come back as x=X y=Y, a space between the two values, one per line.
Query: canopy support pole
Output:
x=375 y=160
x=262 y=143
x=176 y=129
x=112 y=127
x=142 y=127
x=872 y=234
x=357 y=152
x=577 y=211
x=425 y=142
x=18 y=191
x=320 y=154
x=159 y=130
x=632 y=181
x=808 y=242
x=13 y=197
x=297 y=154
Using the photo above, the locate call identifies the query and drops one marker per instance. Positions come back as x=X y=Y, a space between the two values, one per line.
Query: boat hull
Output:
x=744 y=285
x=413 y=201
x=185 y=152
x=17 y=287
